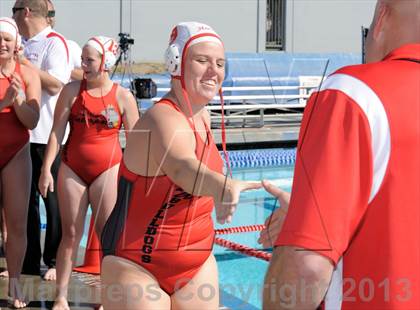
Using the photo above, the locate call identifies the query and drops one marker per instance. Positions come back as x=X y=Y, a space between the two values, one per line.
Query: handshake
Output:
x=274 y=223
x=226 y=206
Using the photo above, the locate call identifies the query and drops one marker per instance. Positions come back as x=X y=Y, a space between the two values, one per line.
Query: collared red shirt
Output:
x=356 y=194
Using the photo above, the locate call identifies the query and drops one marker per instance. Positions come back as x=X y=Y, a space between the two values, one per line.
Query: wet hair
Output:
x=39 y=8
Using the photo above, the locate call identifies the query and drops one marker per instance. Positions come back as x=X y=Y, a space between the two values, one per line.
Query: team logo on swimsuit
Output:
x=112 y=117
x=21 y=93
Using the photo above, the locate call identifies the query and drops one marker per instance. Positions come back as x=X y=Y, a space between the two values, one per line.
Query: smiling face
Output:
x=204 y=71
x=91 y=62
x=7 y=45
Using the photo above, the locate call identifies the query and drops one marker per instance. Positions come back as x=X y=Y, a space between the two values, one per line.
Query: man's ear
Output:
x=27 y=12
x=378 y=28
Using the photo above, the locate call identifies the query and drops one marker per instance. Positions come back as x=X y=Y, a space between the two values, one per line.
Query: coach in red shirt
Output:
x=351 y=236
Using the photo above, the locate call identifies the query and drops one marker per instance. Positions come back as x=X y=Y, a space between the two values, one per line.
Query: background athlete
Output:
x=95 y=108
x=20 y=92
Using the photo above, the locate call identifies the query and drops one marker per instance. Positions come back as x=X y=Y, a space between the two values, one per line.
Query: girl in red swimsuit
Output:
x=20 y=92
x=159 y=237
x=95 y=108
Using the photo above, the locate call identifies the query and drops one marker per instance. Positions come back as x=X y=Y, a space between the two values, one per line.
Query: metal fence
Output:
x=275 y=24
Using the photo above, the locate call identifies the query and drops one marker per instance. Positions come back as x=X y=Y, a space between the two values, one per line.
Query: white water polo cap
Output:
x=183 y=36
x=8 y=25
x=107 y=47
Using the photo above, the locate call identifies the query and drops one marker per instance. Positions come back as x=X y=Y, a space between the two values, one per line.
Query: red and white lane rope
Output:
x=240 y=247
x=239 y=229
x=243 y=249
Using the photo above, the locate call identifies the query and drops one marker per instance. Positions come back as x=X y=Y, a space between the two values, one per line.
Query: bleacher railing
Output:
x=256 y=109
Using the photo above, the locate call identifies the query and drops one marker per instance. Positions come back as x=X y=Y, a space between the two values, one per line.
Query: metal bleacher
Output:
x=266 y=88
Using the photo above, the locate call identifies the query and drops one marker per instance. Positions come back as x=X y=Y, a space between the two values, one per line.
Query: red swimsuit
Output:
x=13 y=134
x=93 y=146
x=159 y=226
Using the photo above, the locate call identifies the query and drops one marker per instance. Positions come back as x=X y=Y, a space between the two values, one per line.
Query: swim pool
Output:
x=241 y=277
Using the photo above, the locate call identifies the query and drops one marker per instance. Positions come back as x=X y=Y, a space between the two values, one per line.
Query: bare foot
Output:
x=16 y=303
x=16 y=299
x=50 y=275
x=61 y=303
x=4 y=274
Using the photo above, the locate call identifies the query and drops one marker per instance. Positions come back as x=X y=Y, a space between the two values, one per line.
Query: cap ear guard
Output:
x=173 y=60
x=109 y=60
x=108 y=54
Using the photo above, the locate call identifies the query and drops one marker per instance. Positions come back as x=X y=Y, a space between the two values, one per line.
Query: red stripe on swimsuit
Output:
x=93 y=145
x=159 y=226
x=13 y=134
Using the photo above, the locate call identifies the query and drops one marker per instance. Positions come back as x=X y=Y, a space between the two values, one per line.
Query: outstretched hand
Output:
x=230 y=198
x=274 y=222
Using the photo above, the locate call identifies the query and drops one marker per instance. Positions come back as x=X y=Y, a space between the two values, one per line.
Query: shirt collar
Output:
x=40 y=35
x=407 y=51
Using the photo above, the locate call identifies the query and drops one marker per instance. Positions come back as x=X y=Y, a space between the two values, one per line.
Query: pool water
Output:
x=241 y=277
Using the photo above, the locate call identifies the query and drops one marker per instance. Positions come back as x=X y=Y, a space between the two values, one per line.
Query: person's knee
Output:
x=16 y=229
x=71 y=235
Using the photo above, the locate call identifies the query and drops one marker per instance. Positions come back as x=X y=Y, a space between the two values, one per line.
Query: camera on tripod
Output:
x=142 y=88
x=125 y=41
x=145 y=88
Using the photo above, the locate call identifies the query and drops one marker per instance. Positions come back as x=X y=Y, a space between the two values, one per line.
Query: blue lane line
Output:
x=261 y=157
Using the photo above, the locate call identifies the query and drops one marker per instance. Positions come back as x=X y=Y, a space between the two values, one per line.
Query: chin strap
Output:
x=187 y=99
x=225 y=153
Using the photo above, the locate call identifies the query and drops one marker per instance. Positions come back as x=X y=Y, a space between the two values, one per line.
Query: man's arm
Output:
x=48 y=83
x=296 y=279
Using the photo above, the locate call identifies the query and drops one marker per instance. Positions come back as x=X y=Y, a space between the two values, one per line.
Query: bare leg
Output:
x=16 y=178
x=3 y=226
x=73 y=203
x=103 y=196
x=4 y=273
x=127 y=285
x=202 y=292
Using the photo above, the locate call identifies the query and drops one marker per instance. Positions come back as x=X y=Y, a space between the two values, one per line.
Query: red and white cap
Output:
x=183 y=36
x=107 y=47
x=9 y=26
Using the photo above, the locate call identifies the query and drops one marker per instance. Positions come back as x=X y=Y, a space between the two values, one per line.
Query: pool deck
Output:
x=279 y=135
x=84 y=291
x=270 y=135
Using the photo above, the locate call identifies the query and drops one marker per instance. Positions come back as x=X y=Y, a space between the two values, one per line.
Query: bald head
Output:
x=395 y=23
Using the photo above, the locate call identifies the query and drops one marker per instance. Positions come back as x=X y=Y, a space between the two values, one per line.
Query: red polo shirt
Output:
x=356 y=190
